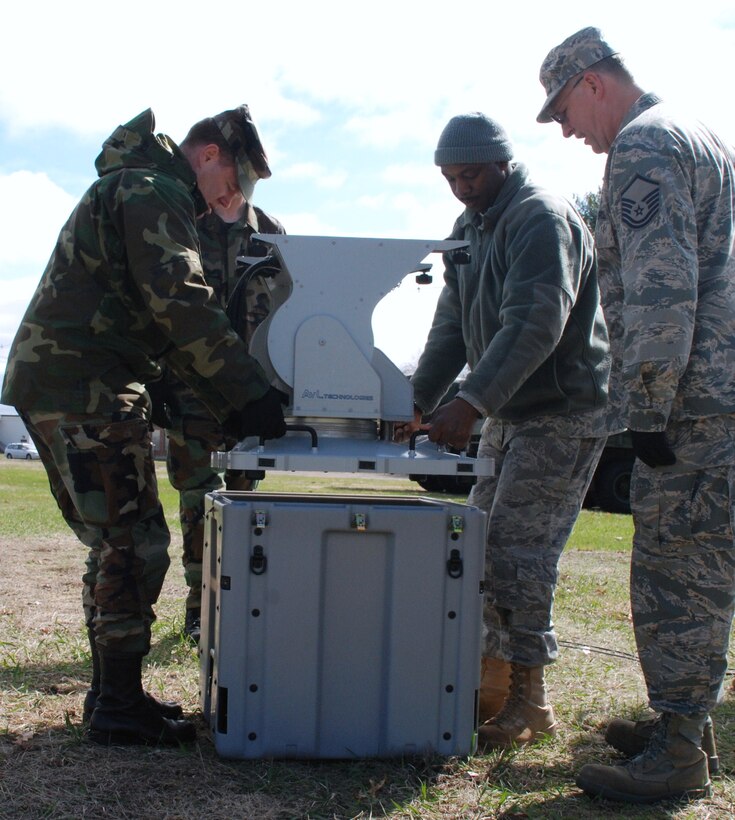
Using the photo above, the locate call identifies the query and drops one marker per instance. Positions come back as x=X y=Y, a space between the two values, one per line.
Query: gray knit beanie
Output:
x=472 y=138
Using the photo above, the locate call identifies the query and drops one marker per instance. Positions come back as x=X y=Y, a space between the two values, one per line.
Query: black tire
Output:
x=29 y=457
x=7 y=455
x=430 y=483
x=458 y=485
x=612 y=486
x=450 y=484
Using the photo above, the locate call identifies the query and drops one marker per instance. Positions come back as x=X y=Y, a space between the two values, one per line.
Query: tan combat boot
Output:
x=494 y=687
x=526 y=715
x=630 y=738
x=672 y=765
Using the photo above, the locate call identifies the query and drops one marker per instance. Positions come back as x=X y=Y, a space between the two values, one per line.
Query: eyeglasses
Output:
x=561 y=117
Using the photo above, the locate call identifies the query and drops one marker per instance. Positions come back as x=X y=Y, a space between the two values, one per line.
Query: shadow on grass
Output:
x=341 y=788
x=54 y=743
x=47 y=679
x=204 y=783
x=201 y=780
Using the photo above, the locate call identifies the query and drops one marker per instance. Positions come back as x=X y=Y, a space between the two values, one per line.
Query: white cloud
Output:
x=32 y=210
x=397 y=69
x=301 y=170
x=372 y=203
x=402 y=319
x=313 y=172
x=397 y=126
x=377 y=82
x=411 y=174
x=307 y=224
x=15 y=294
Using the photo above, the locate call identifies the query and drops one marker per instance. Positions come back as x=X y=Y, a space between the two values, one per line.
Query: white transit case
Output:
x=339 y=626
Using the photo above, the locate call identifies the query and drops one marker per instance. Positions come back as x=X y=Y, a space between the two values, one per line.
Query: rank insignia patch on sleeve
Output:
x=641 y=201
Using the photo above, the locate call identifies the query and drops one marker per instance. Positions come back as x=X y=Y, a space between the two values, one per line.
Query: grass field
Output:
x=48 y=770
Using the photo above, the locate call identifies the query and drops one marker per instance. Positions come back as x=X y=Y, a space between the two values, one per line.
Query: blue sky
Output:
x=349 y=99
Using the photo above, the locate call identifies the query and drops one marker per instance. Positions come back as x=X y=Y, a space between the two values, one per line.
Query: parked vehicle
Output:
x=610 y=487
x=21 y=449
x=609 y=490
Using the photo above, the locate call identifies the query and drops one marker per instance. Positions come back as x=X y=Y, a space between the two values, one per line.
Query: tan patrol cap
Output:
x=577 y=53
x=239 y=130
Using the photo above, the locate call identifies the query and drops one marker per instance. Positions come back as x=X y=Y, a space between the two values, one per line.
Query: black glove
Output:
x=652 y=449
x=262 y=417
x=160 y=404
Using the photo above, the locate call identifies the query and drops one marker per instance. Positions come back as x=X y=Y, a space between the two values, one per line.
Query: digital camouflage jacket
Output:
x=124 y=292
x=665 y=236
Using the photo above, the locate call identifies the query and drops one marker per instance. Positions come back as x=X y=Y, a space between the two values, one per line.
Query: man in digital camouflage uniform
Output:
x=192 y=431
x=665 y=237
x=521 y=307
x=124 y=293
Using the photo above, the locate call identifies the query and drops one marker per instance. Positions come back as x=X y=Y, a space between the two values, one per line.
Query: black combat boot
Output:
x=167 y=708
x=193 y=624
x=123 y=714
x=90 y=698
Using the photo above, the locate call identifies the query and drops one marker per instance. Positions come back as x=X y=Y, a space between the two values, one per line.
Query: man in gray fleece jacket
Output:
x=521 y=308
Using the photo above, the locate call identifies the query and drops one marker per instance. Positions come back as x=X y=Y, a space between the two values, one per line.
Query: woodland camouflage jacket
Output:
x=124 y=292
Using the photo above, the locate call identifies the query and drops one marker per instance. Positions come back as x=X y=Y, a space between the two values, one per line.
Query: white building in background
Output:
x=11 y=427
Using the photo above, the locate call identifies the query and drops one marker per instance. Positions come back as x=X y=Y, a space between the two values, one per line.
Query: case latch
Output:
x=454 y=564
x=258 y=561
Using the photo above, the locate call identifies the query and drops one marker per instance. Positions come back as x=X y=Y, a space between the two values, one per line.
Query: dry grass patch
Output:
x=48 y=769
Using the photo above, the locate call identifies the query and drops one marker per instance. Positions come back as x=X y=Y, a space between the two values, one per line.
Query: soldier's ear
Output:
x=210 y=153
x=595 y=83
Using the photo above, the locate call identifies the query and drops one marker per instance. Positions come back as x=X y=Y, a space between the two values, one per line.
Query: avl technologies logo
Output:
x=319 y=396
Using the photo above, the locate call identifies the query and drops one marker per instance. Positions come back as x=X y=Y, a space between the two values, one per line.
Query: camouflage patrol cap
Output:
x=239 y=130
x=577 y=53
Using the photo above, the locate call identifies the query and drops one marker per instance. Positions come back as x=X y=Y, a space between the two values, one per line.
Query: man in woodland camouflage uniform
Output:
x=665 y=237
x=124 y=293
x=192 y=431
x=521 y=307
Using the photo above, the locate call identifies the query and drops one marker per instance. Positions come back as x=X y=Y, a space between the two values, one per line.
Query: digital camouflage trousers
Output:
x=532 y=501
x=683 y=566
